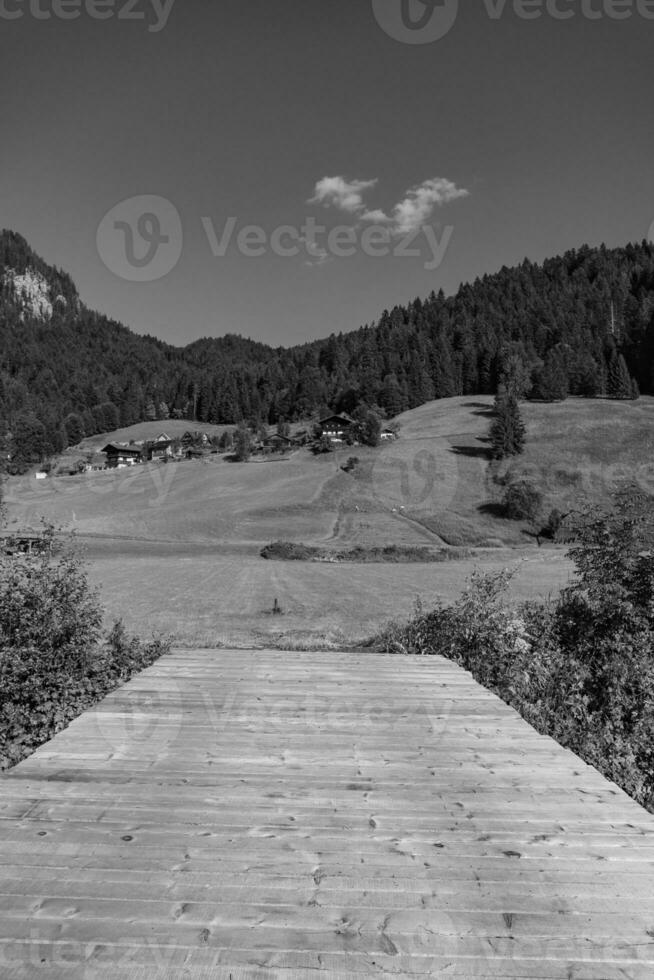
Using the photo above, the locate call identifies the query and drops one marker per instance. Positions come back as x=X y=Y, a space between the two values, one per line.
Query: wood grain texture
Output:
x=278 y=815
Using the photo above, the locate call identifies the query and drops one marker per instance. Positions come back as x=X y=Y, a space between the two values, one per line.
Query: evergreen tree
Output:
x=507 y=430
x=516 y=376
x=28 y=443
x=551 y=381
x=242 y=443
x=620 y=384
x=390 y=396
x=226 y=441
x=75 y=431
x=590 y=378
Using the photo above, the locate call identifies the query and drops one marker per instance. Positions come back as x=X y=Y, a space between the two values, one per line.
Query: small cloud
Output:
x=408 y=215
x=421 y=201
x=346 y=195
x=376 y=217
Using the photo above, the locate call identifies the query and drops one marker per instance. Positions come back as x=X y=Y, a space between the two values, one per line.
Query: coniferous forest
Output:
x=581 y=324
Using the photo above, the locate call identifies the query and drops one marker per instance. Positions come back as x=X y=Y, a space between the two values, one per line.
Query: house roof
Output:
x=115 y=447
x=195 y=436
x=337 y=418
x=276 y=437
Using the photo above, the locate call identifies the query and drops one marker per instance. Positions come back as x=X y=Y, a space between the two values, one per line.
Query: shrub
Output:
x=46 y=603
x=288 y=551
x=323 y=445
x=553 y=524
x=53 y=661
x=522 y=501
x=580 y=669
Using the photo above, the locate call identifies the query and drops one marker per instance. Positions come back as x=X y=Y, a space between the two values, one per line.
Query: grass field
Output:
x=175 y=547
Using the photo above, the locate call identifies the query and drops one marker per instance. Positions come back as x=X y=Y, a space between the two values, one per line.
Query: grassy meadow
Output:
x=175 y=547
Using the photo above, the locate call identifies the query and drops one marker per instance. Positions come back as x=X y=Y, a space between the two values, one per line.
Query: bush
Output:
x=47 y=604
x=553 y=524
x=323 y=445
x=522 y=501
x=291 y=551
x=581 y=669
x=53 y=661
x=288 y=551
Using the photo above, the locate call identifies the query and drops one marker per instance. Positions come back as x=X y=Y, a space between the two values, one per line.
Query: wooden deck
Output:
x=265 y=814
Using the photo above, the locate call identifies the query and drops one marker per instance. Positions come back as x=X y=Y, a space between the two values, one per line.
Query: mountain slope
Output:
x=579 y=323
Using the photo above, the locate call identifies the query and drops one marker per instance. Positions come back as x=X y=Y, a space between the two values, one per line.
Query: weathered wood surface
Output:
x=285 y=815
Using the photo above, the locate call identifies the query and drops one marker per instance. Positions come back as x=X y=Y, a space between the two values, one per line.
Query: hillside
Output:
x=581 y=324
x=177 y=546
x=434 y=484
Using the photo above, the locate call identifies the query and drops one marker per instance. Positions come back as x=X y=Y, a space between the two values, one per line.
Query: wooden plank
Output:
x=262 y=814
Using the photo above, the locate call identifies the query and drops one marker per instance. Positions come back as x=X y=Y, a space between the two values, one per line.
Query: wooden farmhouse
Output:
x=336 y=427
x=118 y=455
x=159 y=450
x=197 y=439
x=276 y=444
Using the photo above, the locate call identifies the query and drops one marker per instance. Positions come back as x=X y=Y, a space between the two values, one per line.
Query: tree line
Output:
x=579 y=324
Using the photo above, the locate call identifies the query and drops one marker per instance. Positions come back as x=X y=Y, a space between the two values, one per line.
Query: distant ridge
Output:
x=67 y=372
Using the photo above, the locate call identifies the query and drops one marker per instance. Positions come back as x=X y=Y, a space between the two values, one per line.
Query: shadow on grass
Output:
x=485 y=411
x=493 y=509
x=474 y=452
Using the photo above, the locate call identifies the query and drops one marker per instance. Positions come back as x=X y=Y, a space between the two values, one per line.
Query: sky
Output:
x=179 y=157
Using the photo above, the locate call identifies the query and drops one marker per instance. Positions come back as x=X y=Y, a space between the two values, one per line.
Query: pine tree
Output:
x=551 y=382
x=620 y=383
x=390 y=396
x=515 y=376
x=242 y=443
x=28 y=443
x=507 y=430
x=590 y=379
x=75 y=430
